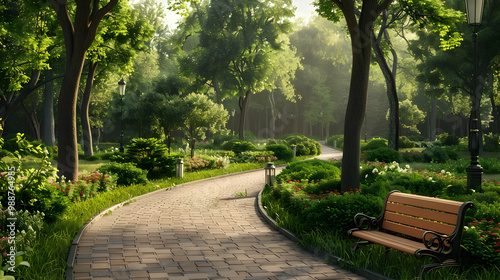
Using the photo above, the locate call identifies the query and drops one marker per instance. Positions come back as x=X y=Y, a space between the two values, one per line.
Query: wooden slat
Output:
x=390 y=241
x=406 y=230
x=422 y=213
x=419 y=223
x=426 y=202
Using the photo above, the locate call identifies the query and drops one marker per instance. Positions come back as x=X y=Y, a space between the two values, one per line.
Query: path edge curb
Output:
x=70 y=261
x=332 y=259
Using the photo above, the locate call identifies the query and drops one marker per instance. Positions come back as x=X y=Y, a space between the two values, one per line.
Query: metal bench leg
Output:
x=429 y=267
x=359 y=244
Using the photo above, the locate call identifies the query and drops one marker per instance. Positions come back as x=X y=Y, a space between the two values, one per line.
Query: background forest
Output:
x=301 y=84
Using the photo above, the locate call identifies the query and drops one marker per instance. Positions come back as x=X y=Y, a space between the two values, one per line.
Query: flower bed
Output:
x=312 y=206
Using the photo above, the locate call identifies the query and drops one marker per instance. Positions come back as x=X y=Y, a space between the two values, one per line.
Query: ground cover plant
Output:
x=320 y=215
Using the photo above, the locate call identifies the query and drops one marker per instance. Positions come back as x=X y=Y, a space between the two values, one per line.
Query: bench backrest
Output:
x=412 y=215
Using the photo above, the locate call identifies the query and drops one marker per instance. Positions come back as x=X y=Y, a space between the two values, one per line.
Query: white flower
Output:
x=375 y=170
x=442 y=171
x=407 y=166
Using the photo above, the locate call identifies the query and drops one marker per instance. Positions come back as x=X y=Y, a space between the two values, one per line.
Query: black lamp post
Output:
x=121 y=87
x=474 y=9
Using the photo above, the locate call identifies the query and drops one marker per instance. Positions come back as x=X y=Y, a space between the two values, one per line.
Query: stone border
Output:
x=72 y=252
x=332 y=259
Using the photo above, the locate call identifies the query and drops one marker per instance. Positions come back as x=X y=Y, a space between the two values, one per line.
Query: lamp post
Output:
x=121 y=87
x=474 y=9
x=270 y=170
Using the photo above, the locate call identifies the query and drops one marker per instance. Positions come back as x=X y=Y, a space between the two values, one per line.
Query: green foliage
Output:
x=412 y=156
x=383 y=154
x=126 y=173
x=87 y=186
x=410 y=116
x=151 y=155
x=221 y=137
x=451 y=140
x=490 y=165
x=312 y=170
x=405 y=143
x=338 y=138
x=305 y=146
x=28 y=227
x=375 y=143
x=253 y=156
x=281 y=151
x=481 y=241
x=492 y=142
x=31 y=187
x=438 y=154
x=238 y=146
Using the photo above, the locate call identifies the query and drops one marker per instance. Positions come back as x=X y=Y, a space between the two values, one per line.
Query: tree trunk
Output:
x=78 y=37
x=32 y=124
x=193 y=142
x=495 y=111
x=84 y=111
x=433 y=121
x=217 y=90
x=9 y=105
x=243 y=103
x=390 y=83
x=48 y=125
x=358 y=92
x=66 y=127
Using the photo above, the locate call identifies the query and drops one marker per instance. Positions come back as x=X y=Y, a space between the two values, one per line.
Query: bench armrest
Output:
x=364 y=222
x=436 y=241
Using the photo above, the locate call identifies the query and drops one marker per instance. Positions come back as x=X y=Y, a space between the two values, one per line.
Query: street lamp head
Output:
x=474 y=10
x=121 y=87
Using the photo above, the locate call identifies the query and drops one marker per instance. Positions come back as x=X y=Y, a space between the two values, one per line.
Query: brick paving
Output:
x=199 y=230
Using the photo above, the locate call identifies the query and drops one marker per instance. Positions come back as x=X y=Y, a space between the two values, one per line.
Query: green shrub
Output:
x=405 y=143
x=451 y=140
x=219 y=138
x=281 y=151
x=311 y=170
x=93 y=157
x=383 y=154
x=126 y=173
x=490 y=165
x=28 y=227
x=252 y=156
x=198 y=163
x=305 y=146
x=438 y=154
x=412 y=156
x=242 y=146
x=480 y=241
x=492 y=142
x=374 y=144
x=336 y=213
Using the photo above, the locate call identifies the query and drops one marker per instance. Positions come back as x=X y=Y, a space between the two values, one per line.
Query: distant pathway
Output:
x=198 y=230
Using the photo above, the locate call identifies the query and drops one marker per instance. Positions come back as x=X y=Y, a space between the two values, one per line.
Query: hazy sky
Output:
x=304 y=9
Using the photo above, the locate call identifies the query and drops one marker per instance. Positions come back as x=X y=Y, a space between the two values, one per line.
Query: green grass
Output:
x=48 y=260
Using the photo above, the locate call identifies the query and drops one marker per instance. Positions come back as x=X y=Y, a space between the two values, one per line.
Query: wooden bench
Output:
x=417 y=225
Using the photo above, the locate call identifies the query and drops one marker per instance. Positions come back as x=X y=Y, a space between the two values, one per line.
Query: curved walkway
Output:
x=199 y=230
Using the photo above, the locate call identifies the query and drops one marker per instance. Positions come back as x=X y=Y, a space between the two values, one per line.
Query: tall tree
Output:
x=360 y=28
x=79 y=33
x=237 y=42
x=204 y=116
x=26 y=38
x=121 y=36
